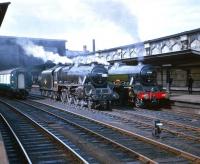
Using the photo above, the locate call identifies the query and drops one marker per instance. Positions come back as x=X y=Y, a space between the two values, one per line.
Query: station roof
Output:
x=177 y=58
x=3 y=9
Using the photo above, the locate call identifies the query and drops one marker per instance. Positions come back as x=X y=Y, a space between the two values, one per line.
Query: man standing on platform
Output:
x=190 y=83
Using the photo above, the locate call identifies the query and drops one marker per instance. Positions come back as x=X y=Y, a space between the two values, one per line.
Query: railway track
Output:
x=170 y=137
x=185 y=130
x=14 y=148
x=182 y=113
x=34 y=96
x=182 y=117
x=184 y=138
x=144 y=147
x=118 y=153
x=37 y=143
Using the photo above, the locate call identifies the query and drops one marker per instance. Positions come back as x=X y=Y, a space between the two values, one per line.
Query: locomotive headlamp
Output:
x=165 y=95
x=90 y=92
x=104 y=75
x=145 y=96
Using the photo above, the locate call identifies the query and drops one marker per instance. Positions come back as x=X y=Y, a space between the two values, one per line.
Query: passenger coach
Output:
x=15 y=82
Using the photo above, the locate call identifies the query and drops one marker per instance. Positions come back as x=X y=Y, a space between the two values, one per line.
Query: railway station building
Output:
x=176 y=57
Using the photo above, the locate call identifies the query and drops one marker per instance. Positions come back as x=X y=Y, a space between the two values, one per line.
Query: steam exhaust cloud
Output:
x=39 y=52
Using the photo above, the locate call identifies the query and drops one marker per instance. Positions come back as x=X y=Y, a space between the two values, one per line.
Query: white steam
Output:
x=39 y=52
x=34 y=50
x=90 y=59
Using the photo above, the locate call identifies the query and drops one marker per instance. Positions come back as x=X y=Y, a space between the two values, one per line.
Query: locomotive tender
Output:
x=83 y=84
x=137 y=84
x=15 y=82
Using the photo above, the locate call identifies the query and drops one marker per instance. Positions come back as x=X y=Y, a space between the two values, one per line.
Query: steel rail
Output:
x=168 y=148
x=139 y=156
x=24 y=153
x=182 y=113
x=75 y=155
x=186 y=136
x=167 y=122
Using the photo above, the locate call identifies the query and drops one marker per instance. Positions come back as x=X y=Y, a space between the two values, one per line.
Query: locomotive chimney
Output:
x=93 y=45
x=140 y=63
x=84 y=48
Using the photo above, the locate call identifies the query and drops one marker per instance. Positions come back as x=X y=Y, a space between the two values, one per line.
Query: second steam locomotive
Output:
x=79 y=84
x=137 y=84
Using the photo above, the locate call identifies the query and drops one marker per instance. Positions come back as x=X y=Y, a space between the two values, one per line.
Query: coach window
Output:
x=8 y=78
x=3 y=77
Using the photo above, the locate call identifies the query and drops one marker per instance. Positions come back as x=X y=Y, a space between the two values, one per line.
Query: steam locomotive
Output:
x=15 y=82
x=84 y=85
x=137 y=85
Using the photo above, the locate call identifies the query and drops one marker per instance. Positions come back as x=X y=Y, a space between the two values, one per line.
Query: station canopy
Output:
x=177 y=58
x=3 y=9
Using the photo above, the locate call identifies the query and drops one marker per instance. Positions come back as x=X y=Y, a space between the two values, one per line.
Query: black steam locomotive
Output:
x=137 y=84
x=78 y=84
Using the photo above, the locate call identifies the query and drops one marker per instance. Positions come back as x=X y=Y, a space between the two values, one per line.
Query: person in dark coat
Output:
x=190 y=83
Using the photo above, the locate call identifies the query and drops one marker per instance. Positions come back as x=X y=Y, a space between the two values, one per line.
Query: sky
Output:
x=111 y=23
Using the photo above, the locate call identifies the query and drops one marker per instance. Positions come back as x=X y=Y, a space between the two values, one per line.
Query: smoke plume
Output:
x=117 y=13
x=39 y=52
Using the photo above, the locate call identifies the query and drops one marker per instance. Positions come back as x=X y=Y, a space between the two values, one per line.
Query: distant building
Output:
x=72 y=54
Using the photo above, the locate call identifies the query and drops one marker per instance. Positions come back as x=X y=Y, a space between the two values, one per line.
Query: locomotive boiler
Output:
x=15 y=82
x=137 y=84
x=79 y=84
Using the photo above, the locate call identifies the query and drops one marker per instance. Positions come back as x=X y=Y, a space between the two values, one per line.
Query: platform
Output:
x=189 y=98
x=187 y=102
x=3 y=155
